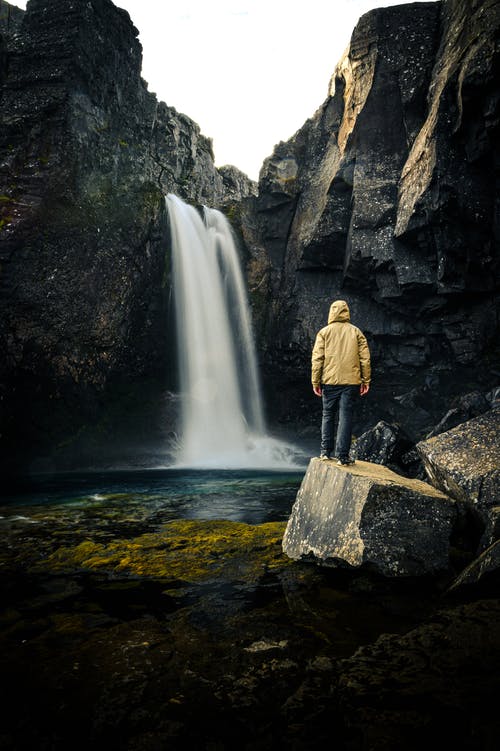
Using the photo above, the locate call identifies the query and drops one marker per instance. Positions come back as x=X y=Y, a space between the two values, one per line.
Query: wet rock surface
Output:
x=434 y=684
x=133 y=633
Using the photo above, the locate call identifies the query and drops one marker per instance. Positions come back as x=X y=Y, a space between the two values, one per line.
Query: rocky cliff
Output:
x=387 y=197
x=86 y=156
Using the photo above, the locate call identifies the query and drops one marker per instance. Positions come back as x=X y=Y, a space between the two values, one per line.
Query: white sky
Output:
x=249 y=72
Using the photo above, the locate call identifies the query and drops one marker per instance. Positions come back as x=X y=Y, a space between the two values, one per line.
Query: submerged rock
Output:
x=366 y=515
x=186 y=551
x=130 y=627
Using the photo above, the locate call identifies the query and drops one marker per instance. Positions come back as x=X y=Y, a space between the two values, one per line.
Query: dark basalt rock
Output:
x=491 y=531
x=386 y=197
x=86 y=156
x=384 y=444
x=433 y=685
x=464 y=462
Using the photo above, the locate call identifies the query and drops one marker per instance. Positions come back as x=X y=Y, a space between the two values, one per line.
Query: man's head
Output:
x=339 y=311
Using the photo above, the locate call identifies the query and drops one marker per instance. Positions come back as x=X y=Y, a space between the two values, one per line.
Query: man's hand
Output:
x=317 y=390
x=364 y=388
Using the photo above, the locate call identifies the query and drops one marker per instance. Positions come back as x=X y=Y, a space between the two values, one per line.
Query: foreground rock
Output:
x=366 y=515
x=433 y=686
x=465 y=461
x=140 y=631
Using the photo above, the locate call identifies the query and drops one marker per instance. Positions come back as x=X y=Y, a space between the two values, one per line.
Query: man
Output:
x=340 y=370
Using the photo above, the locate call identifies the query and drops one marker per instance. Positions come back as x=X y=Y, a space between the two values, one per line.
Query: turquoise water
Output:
x=247 y=496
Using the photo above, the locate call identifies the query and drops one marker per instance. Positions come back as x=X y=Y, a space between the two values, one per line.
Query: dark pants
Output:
x=341 y=399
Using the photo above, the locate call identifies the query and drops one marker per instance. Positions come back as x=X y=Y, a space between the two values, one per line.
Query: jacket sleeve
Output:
x=317 y=360
x=364 y=358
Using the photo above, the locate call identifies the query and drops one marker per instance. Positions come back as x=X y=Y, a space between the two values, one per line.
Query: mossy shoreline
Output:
x=202 y=634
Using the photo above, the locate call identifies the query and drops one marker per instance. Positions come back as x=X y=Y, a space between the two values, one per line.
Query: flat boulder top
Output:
x=377 y=473
x=471 y=448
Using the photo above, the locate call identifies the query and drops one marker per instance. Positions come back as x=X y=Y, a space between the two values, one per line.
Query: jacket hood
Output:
x=339 y=311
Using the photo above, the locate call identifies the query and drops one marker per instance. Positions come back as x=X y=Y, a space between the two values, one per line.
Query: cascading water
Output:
x=222 y=416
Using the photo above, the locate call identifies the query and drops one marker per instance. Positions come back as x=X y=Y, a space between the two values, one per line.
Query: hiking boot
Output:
x=324 y=456
x=347 y=462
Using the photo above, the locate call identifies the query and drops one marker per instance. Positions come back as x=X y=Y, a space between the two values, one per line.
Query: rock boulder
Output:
x=366 y=515
x=464 y=462
x=464 y=408
x=383 y=444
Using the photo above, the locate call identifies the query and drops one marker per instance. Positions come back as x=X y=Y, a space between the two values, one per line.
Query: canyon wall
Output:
x=87 y=154
x=387 y=197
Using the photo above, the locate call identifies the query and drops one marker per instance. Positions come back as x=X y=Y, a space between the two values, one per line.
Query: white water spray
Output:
x=222 y=416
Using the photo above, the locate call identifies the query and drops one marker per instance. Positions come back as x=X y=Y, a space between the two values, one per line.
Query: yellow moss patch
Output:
x=184 y=550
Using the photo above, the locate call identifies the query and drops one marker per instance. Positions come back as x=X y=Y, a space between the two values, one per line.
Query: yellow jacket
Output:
x=340 y=354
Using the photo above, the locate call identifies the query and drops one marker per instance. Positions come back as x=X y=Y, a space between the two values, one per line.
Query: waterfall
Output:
x=222 y=422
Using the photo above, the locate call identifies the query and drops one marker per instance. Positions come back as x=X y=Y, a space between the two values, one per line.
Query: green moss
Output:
x=186 y=550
